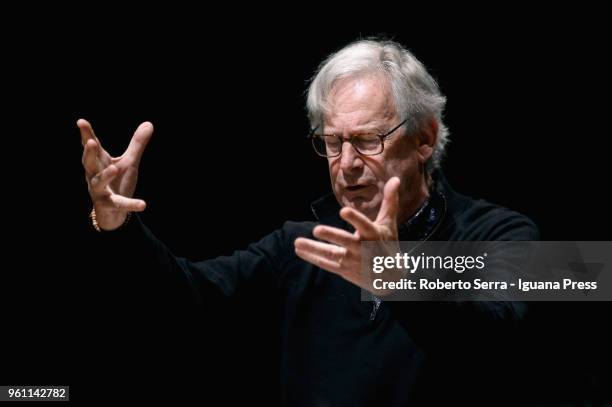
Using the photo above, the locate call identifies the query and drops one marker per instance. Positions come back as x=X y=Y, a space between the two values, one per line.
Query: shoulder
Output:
x=477 y=219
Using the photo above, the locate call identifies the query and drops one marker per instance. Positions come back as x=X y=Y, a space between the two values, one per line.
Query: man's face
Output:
x=365 y=104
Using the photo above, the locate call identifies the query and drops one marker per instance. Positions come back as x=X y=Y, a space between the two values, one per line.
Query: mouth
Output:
x=355 y=188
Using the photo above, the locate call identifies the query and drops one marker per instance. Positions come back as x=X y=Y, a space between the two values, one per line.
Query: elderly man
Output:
x=376 y=116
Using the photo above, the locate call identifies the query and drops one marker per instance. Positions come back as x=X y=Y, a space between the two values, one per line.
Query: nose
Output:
x=350 y=160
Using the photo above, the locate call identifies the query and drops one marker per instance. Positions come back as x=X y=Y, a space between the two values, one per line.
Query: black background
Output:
x=229 y=162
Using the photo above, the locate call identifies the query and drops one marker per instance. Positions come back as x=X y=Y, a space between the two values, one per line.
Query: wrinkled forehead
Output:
x=360 y=103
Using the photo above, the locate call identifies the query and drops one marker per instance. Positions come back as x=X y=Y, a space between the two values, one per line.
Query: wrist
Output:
x=101 y=226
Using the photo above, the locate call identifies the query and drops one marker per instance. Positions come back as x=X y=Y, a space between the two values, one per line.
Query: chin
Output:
x=368 y=207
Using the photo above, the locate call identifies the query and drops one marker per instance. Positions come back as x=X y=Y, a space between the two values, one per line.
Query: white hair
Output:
x=416 y=93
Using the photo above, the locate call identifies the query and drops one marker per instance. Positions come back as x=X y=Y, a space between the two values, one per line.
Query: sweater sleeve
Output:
x=135 y=250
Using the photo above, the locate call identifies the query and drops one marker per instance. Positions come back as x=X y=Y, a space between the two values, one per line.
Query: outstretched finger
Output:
x=315 y=257
x=139 y=141
x=329 y=251
x=336 y=236
x=87 y=132
x=127 y=204
x=103 y=178
x=91 y=159
x=390 y=204
x=361 y=223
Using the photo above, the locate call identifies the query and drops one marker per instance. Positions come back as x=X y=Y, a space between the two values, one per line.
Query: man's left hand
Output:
x=343 y=254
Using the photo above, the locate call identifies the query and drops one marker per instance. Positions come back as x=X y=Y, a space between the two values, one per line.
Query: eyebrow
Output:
x=359 y=130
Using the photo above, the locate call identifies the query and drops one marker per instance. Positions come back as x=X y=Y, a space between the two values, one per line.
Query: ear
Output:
x=427 y=139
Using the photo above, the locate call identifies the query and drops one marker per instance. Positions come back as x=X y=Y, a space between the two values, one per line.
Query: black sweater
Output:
x=330 y=352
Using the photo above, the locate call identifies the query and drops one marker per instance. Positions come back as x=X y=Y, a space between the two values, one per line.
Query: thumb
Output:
x=390 y=204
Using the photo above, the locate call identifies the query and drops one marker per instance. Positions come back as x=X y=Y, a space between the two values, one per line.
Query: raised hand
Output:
x=343 y=254
x=111 y=181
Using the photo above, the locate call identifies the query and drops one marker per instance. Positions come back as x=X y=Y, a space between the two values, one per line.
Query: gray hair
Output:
x=416 y=93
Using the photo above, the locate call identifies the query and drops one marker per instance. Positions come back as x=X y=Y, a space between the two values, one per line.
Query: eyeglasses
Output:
x=330 y=145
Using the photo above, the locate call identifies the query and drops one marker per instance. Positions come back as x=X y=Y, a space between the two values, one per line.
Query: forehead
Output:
x=360 y=102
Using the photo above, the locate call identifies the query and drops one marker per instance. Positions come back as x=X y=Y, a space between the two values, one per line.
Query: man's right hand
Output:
x=112 y=180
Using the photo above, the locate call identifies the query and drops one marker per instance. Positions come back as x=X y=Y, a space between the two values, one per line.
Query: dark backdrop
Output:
x=229 y=162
